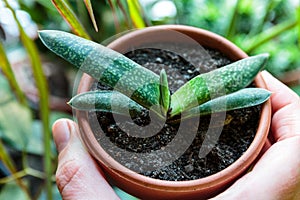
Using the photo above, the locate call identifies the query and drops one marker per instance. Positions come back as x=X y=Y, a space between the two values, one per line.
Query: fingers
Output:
x=275 y=176
x=282 y=95
x=78 y=175
x=277 y=173
x=286 y=109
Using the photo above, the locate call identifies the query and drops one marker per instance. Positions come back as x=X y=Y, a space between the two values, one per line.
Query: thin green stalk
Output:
x=7 y=70
x=67 y=13
x=21 y=174
x=124 y=12
x=114 y=13
x=89 y=7
x=42 y=87
x=231 y=27
x=259 y=24
x=298 y=18
x=135 y=13
x=268 y=35
x=8 y=162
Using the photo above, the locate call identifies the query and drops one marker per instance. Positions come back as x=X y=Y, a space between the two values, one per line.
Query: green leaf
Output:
x=67 y=13
x=230 y=32
x=35 y=142
x=298 y=24
x=216 y=83
x=135 y=13
x=241 y=99
x=42 y=87
x=12 y=191
x=7 y=70
x=123 y=195
x=16 y=135
x=91 y=13
x=164 y=92
x=55 y=192
x=106 y=101
x=296 y=89
x=107 y=66
x=262 y=38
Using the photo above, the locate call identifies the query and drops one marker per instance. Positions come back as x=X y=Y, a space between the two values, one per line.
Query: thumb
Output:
x=78 y=175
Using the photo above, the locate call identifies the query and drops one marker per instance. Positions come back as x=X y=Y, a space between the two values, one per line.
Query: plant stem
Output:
x=298 y=19
x=268 y=35
x=135 y=12
x=20 y=174
x=42 y=87
x=264 y=18
x=114 y=13
x=89 y=7
x=7 y=161
x=67 y=13
x=7 y=70
x=230 y=29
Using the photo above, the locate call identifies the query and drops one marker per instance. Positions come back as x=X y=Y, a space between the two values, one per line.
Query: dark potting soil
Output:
x=188 y=150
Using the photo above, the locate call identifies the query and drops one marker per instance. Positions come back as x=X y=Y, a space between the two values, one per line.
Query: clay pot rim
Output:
x=190 y=185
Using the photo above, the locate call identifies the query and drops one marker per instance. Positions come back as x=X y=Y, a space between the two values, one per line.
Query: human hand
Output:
x=78 y=176
x=276 y=175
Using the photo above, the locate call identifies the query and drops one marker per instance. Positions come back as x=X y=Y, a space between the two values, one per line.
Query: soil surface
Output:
x=188 y=150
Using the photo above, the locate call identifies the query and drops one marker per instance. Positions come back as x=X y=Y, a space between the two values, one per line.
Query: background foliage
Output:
x=35 y=84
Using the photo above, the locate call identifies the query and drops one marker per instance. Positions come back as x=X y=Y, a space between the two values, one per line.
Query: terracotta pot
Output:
x=149 y=188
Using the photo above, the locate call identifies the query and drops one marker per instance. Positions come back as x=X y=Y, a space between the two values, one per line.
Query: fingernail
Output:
x=61 y=134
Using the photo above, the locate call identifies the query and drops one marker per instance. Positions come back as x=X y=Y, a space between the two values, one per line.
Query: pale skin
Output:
x=275 y=176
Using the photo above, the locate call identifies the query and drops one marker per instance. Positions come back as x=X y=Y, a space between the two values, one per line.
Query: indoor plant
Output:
x=159 y=101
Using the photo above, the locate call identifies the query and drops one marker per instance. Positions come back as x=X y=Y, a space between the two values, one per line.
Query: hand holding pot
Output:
x=77 y=176
x=276 y=175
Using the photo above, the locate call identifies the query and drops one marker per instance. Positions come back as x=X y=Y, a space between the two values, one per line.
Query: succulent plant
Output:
x=137 y=88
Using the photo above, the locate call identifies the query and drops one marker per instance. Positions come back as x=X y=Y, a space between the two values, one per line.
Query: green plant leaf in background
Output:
x=12 y=191
x=67 y=13
x=298 y=18
x=15 y=127
x=91 y=13
x=135 y=13
x=123 y=195
x=296 y=89
x=14 y=134
x=230 y=32
x=262 y=38
x=7 y=70
x=42 y=87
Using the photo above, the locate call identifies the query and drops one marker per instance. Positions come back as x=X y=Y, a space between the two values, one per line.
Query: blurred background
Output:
x=35 y=84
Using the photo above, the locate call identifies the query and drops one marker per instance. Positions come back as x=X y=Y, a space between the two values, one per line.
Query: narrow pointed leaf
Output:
x=135 y=13
x=230 y=32
x=107 y=66
x=265 y=36
x=164 y=93
x=91 y=13
x=243 y=98
x=106 y=101
x=67 y=13
x=124 y=12
x=216 y=83
x=298 y=24
x=42 y=87
x=7 y=70
x=2 y=34
x=114 y=13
